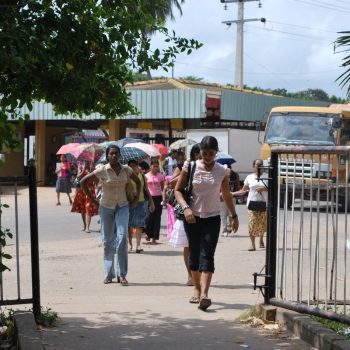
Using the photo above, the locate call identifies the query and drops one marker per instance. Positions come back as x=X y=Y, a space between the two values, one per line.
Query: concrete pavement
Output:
x=153 y=311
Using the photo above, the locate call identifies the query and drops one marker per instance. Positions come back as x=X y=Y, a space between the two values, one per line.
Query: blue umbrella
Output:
x=224 y=158
x=126 y=154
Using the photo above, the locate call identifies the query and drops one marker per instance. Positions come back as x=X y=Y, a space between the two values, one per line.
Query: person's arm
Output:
x=83 y=184
x=227 y=197
x=241 y=192
x=166 y=186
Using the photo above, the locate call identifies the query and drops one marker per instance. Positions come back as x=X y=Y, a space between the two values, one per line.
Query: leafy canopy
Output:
x=77 y=55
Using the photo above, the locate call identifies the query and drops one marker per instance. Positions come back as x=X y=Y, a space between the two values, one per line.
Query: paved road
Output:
x=153 y=311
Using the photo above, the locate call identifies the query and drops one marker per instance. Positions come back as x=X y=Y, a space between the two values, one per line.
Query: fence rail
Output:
x=308 y=243
x=16 y=298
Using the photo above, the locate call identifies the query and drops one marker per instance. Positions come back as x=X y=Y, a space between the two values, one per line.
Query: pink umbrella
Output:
x=68 y=148
x=151 y=151
x=88 y=151
x=163 y=150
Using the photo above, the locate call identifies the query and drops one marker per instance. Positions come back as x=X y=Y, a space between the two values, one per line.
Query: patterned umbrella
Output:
x=163 y=150
x=126 y=154
x=88 y=151
x=151 y=151
x=224 y=158
x=68 y=148
x=182 y=143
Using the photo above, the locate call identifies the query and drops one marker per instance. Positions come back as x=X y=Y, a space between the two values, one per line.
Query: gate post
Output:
x=271 y=244
x=34 y=239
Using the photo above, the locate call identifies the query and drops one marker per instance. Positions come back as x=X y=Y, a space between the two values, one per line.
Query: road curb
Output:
x=28 y=334
x=311 y=331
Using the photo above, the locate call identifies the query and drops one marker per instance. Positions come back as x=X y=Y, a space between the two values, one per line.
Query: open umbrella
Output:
x=182 y=143
x=163 y=150
x=122 y=142
x=88 y=151
x=67 y=148
x=151 y=151
x=126 y=154
x=224 y=158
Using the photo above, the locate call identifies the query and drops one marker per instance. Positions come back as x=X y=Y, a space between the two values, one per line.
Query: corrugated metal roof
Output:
x=242 y=106
x=152 y=104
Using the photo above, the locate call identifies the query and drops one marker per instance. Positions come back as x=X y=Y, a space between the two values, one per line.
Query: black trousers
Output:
x=153 y=221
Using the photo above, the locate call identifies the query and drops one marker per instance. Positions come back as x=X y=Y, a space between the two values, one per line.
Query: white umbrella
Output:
x=182 y=143
x=151 y=151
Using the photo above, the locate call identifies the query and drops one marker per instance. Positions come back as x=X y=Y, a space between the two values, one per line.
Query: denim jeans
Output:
x=202 y=240
x=114 y=232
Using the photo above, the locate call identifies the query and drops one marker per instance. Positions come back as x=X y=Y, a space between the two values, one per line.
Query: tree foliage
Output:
x=309 y=94
x=343 y=42
x=77 y=55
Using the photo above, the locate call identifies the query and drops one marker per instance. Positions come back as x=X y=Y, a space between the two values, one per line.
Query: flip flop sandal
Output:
x=204 y=303
x=107 y=280
x=190 y=282
x=123 y=281
x=194 y=300
x=138 y=251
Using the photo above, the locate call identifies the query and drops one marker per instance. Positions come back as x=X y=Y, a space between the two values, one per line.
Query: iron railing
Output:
x=10 y=216
x=308 y=243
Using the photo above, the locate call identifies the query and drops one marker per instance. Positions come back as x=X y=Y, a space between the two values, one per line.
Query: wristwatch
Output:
x=185 y=207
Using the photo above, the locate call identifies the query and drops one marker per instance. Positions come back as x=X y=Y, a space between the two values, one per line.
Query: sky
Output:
x=294 y=49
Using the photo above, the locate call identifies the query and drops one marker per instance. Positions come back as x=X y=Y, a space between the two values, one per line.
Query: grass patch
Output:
x=47 y=317
x=253 y=311
x=338 y=327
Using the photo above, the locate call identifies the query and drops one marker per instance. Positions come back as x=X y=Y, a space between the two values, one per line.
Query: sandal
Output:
x=251 y=249
x=194 y=300
x=107 y=280
x=190 y=282
x=138 y=251
x=204 y=303
x=262 y=245
x=123 y=281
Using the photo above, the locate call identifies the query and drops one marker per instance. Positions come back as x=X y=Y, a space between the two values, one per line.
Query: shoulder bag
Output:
x=187 y=192
x=257 y=205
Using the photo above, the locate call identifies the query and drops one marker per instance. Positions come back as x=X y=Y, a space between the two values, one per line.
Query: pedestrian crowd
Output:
x=199 y=195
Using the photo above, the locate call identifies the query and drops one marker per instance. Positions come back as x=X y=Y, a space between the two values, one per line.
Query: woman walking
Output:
x=138 y=214
x=202 y=215
x=63 y=179
x=257 y=192
x=155 y=183
x=114 y=212
x=81 y=203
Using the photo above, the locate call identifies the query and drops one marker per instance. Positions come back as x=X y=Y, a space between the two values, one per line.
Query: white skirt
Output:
x=178 y=237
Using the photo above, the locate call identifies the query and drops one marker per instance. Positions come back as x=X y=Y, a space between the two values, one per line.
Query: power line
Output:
x=330 y=5
x=294 y=34
x=305 y=27
x=326 y=7
x=256 y=73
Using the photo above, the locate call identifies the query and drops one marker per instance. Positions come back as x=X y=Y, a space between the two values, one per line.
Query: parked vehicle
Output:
x=309 y=126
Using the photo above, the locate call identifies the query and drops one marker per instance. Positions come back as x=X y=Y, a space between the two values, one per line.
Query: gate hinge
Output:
x=262 y=288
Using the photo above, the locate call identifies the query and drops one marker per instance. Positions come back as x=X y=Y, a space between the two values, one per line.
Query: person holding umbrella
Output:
x=114 y=211
x=63 y=179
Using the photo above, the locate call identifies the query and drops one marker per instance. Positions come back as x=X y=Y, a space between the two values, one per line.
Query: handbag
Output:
x=257 y=205
x=187 y=193
x=129 y=190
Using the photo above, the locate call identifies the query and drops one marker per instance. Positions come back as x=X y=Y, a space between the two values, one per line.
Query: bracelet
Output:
x=185 y=207
x=234 y=216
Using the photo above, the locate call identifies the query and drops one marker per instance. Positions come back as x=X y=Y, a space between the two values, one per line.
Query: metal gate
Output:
x=9 y=220
x=308 y=243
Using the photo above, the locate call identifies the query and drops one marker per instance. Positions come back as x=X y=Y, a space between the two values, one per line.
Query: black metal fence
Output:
x=308 y=240
x=9 y=219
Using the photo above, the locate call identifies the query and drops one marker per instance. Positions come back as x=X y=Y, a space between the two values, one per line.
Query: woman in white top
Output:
x=257 y=191
x=202 y=215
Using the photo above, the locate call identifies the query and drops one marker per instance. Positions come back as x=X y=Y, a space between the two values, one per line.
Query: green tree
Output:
x=192 y=78
x=343 y=42
x=77 y=55
x=160 y=10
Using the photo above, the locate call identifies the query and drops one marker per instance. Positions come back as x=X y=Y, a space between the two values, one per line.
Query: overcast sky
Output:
x=293 y=49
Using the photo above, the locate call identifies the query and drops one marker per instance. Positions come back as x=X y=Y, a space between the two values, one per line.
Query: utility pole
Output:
x=239 y=38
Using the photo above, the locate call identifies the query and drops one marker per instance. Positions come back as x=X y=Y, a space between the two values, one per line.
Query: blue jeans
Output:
x=114 y=232
x=202 y=240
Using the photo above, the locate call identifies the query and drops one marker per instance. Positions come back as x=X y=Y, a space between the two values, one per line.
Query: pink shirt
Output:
x=206 y=185
x=155 y=183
